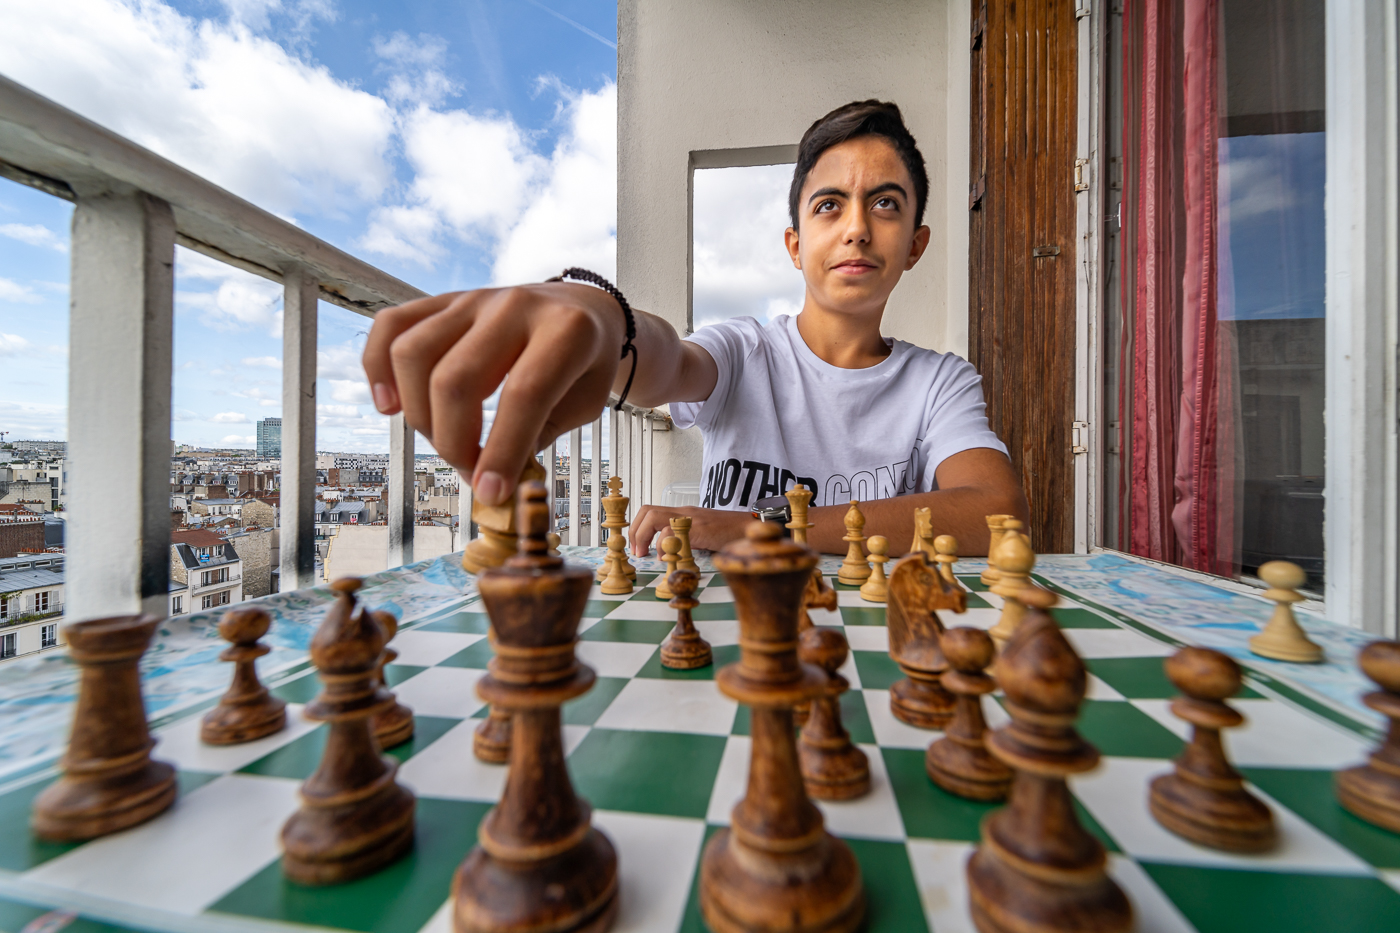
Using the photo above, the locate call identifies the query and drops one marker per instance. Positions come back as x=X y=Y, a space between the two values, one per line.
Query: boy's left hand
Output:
x=710 y=529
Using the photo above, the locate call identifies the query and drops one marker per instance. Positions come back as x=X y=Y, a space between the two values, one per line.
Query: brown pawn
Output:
x=1204 y=799
x=775 y=868
x=959 y=762
x=1037 y=870
x=832 y=767
x=1372 y=790
x=247 y=711
x=354 y=817
x=916 y=591
x=109 y=780
x=491 y=740
x=684 y=649
x=539 y=864
x=394 y=726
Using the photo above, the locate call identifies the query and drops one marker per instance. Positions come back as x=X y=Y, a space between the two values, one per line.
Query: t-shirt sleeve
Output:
x=957 y=417
x=730 y=343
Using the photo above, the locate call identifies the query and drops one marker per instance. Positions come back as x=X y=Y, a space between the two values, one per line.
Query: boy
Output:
x=821 y=398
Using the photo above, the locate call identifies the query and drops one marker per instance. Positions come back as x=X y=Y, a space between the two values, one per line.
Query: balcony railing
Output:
x=132 y=208
x=54 y=610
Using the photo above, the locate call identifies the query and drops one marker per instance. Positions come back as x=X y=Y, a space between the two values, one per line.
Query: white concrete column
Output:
x=297 y=559
x=575 y=535
x=598 y=486
x=402 y=494
x=119 y=368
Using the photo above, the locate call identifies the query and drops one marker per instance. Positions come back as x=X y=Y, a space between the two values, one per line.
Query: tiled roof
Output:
x=196 y=537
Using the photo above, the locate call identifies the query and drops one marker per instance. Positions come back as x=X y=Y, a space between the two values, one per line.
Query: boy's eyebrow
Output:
x=878 y=189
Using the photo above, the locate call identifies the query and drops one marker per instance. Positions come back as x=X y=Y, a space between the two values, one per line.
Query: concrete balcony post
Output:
x=402 y=493
x=120 y=361
x=297 y=558
x=576 y=486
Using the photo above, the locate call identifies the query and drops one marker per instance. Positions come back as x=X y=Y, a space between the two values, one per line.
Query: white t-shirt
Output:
x=780 y=415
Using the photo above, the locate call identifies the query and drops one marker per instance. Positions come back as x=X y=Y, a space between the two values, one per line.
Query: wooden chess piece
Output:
x=539 y=865
x=554 y=542
x=832 y=767
x=1014 y=562
x=680 y=527
x=945 y=552
x=1204 y=799
x=876 y=589
x=1283 y=638
x=817 y=595
x=247 y=711
x=917 y=591
x=994 y=528
x=614 y=573
x=354 y=817
x=110 y=782
x=959 y=762
x=1372 y=791
x=496 y=542
x=671 y=557
x=855 y=569
x=923 y=531
x=393 y=726
x=491 y=740
x=684 y=649
x=799 y=499
x=1037 y=869
x=775 y=868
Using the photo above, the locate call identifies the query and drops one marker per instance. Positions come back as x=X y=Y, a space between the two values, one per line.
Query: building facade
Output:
x=270 y=437
x=31 y=604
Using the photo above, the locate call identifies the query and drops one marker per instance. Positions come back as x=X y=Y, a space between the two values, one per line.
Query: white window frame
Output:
x=48 y=636
x=8 y=645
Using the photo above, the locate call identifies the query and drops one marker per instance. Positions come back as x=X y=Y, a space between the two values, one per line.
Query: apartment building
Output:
x=31 y=604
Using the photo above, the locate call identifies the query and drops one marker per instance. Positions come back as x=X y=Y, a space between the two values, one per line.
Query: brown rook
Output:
x=247 y=711
x=109 y=780
x=539 y=864
x=775 y=868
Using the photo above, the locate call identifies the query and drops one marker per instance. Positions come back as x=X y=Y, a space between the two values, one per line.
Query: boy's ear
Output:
x=916 y=248
x=790 y=238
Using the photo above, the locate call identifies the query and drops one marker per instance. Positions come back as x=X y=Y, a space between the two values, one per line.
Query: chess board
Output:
x=662 y=756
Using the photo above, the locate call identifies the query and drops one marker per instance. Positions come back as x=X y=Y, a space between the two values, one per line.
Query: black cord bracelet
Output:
x=593 y=278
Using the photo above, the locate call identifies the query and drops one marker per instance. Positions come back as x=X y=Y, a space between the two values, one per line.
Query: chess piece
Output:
x=354 y=817
x=817 y=595
x=538 y=865
x=1204 y=799
x=684 y=649
x=945 y=552
x=915 y=631
x=959 y=762
x=1372 y=791
x=1037 y=869
x=876 y=589
x=994 y=528
x=855 y=569
x=799 y=499
x=671 y=557
x=923 y=531
x=1014 y=562
x=832 y=767
x=110 y=782
x=775 y=868
x=491 y=740
x=680 y=527
x=496 y=542
x=1283 y=638
x=247 y=711
x=393 y=726
x=615 y=510
x=554 y=542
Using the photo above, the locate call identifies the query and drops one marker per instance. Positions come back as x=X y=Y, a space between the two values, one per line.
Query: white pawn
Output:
x=877 y=589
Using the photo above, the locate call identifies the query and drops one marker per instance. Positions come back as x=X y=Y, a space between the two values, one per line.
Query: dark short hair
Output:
x=852 y=121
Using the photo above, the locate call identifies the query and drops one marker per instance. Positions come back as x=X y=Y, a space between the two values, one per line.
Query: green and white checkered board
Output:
x=662 y=756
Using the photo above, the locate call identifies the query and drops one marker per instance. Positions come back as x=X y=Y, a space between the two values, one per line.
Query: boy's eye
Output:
x=887 y=204
x=825 y=206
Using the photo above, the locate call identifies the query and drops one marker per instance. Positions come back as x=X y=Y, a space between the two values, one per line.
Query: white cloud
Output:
x=237 y=301
x=13 y=291
x=230 y=417
x=215 y=97
x=239 y=440
x=34 y=235
x=354 y=391
x=266 y=362
x=12 y=344
x=415 y=68
x=741 y=265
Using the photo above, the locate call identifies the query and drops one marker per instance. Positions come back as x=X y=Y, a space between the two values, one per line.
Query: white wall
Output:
x=694 y=78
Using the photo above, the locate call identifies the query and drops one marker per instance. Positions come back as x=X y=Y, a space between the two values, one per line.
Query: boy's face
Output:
x=857 y=234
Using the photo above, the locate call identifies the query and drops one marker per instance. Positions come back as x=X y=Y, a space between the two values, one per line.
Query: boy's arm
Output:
x=971 y=485
x=438 y=359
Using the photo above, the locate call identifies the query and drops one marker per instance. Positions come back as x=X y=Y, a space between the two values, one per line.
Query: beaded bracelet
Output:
x=593 y=278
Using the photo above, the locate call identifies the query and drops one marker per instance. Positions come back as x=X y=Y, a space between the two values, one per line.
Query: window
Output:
x=48 y=635
x=1215 y=315
x=177 y=605
x=7 y=646
x=215 y=599
x=6 y=602
x=41 y=601
x=214 y=576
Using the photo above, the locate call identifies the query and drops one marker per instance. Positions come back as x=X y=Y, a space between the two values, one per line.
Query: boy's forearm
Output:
x=659 y=362
x=960 y=512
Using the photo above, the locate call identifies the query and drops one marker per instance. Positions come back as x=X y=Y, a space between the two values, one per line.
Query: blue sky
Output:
x=454 y=144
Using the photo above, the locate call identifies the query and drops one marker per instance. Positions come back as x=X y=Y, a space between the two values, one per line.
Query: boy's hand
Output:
x=438 y=359
x=710 y=529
